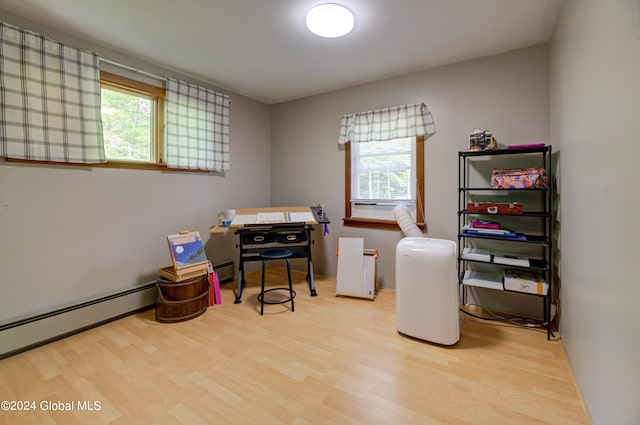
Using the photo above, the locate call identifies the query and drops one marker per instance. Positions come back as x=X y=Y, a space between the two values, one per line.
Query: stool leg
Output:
x=262 y=289
x=290 y=286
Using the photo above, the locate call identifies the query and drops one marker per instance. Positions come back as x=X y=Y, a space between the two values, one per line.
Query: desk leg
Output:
x=312 y=286
x=241 y=283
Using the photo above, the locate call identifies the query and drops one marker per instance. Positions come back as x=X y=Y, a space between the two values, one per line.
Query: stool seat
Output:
x=276 y=254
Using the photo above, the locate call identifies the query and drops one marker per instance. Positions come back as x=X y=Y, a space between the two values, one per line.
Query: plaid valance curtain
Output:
x=386 y=124
x=49 y=99
x=197 y=127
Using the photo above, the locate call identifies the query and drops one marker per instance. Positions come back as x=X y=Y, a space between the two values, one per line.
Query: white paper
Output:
x=242 y=219
x=306 y=217
x=483 y=280
x=270 y=217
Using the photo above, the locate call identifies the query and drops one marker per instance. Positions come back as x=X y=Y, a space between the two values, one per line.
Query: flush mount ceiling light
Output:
x=330 y=20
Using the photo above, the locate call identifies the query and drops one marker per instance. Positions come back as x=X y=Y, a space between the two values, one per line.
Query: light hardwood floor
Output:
x=335 y=360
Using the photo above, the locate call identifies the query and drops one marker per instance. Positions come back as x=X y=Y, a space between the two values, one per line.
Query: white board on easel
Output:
x=356 y=277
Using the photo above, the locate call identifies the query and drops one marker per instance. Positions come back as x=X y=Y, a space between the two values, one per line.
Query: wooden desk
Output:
x=256 y=237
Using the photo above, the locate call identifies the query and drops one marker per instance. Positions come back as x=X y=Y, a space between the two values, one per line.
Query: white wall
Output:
x=74 y=233
x=507 y=93
x=595 y=104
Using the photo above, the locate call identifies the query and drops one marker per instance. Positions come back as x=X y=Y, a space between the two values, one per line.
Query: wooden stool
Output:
x=276 y=254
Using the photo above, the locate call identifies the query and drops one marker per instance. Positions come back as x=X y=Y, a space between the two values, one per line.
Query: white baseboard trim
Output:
x=27 y=333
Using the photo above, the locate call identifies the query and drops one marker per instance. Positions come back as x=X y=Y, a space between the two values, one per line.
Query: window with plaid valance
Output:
x=50 y=108
x=387 y=124
x=49 y=99
x=384 y=163
x=197 y=127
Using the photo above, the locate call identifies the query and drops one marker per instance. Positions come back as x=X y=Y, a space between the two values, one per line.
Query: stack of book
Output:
x=469 y=230
x=490 y=229
x=484 y=224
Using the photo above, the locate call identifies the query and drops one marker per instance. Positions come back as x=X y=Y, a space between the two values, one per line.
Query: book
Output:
x=476 y=254
x=186 y=250
x=513 y=237
x=511 y=259
x=488 y=231
x=182 y=274
x=485 y=224
x=529 y=282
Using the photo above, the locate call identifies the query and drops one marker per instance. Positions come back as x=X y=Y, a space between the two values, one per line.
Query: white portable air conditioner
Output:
x=427 y=290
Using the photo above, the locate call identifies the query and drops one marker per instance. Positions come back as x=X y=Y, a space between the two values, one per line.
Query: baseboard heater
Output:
x=27 y=333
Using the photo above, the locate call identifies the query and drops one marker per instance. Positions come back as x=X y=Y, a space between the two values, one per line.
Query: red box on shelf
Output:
x=494 y=208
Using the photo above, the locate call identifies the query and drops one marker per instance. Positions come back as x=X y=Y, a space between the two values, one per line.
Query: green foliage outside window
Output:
x=127 y=125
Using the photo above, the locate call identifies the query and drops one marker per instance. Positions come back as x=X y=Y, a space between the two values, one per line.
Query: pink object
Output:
x=210 y=278
x=479 y=224
x=530 y=145
x=214 y=287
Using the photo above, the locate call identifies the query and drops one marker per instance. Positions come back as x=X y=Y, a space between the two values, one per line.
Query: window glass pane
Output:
x=127 y=125
x=389 y=185
x=385 y=162
x=384 y=170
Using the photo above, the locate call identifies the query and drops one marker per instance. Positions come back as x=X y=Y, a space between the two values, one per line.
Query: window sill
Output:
x=375 y=224
x=111 y=164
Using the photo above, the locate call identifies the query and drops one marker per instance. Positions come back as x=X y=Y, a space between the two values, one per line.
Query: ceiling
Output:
x=261 y=48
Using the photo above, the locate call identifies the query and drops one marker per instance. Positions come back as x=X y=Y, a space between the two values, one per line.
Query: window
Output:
x=132 y=120
x=69 y=111
x=127 y=124
x=380 y=176
x=387 y=173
